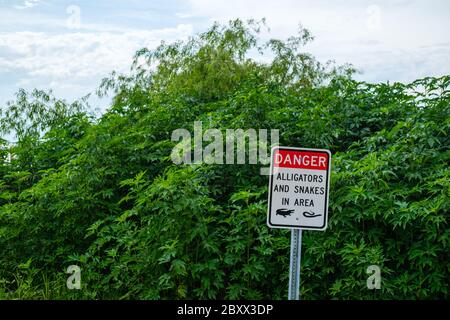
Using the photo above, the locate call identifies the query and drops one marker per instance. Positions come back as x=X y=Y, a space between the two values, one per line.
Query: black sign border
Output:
x=285 y=226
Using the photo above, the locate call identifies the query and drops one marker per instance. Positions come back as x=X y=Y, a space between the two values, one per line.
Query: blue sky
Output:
x=70 y=46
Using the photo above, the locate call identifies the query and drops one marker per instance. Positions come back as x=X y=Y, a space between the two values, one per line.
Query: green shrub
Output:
x=104 y=194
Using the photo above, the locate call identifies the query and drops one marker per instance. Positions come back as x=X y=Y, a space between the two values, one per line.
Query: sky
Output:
x=69 y=46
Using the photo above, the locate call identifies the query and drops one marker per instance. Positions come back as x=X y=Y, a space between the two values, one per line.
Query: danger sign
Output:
x=298 y=188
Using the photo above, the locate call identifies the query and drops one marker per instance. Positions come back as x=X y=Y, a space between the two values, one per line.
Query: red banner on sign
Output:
x=300 y=159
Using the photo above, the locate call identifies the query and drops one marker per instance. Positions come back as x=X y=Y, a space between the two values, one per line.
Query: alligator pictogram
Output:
x=284 y=212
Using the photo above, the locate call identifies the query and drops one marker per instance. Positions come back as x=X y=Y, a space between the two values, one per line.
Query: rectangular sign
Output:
x=298 y=188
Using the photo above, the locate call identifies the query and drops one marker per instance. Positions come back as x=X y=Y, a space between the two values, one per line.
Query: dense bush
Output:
x=104 y=194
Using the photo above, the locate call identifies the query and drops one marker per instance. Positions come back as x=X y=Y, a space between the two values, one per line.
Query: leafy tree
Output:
x=105 y=195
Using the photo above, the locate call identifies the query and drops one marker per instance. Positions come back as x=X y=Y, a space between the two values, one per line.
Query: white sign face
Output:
x=298 y=188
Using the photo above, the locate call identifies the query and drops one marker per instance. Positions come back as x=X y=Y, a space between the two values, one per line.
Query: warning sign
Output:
x=298 y=188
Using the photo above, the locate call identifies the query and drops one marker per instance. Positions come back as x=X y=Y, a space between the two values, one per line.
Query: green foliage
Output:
x=104 y=194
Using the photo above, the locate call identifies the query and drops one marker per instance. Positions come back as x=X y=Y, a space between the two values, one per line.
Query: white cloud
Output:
x=382 y=38
x=183 y=15
x=396 y=40
x=73 y=64
x=78 y=55
x=27 y=4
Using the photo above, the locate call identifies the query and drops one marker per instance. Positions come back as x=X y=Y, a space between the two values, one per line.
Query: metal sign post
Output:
x=299 y=184
x=294 y=267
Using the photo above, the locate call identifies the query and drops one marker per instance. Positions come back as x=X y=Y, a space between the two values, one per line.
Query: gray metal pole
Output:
x=294 y=267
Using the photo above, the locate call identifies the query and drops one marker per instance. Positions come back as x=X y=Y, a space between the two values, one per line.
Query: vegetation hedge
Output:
x=103 y=193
